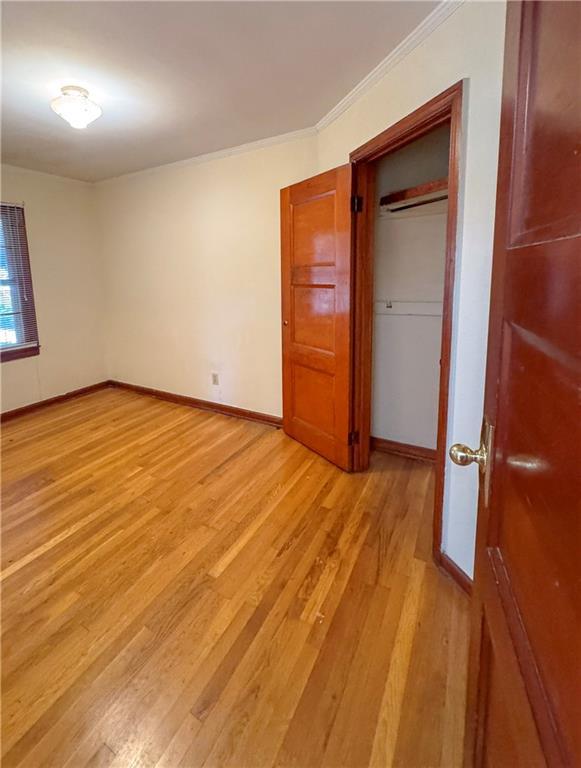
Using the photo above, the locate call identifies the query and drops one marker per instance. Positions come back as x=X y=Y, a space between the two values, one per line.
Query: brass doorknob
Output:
x=463 y=455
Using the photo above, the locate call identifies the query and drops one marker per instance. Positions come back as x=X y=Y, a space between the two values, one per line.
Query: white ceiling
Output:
x=180 y=79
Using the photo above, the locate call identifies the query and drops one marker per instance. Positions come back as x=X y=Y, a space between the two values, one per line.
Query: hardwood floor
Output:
x=187 y=589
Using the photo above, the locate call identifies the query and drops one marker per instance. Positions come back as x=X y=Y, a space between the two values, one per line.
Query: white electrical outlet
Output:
x=215 y=379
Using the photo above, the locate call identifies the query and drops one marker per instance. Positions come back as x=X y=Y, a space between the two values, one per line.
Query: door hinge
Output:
x=356 y=203
x=353 y=438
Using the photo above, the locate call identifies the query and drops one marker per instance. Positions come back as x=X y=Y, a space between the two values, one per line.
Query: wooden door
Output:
x=316 y=313
x=524 y=706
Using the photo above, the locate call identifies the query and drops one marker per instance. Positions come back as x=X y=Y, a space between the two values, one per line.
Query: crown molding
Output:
x=23 y=169
x=442 y=12
x=240 y=149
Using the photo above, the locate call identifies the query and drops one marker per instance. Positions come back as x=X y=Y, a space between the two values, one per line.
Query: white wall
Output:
x=425 y=159
x=410 y=250
x=192 y=260
x=468 y=45
x=68 y=288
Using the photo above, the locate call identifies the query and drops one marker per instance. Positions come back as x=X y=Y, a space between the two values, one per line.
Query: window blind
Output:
x=18 y=331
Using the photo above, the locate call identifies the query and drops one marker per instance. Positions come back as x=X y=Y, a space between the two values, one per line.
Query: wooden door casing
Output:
x=524 y=702
x=316 y=313
x=443 y=108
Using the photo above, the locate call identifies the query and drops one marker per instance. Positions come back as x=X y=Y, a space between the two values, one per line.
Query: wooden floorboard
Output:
x=181 y=588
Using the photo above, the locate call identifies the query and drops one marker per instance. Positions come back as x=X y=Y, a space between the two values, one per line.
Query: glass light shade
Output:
x=76 y=107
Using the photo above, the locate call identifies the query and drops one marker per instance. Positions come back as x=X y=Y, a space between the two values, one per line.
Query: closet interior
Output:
x=409 y=271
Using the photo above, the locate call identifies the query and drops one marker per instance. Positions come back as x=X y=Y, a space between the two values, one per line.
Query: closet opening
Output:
x=411 y=203
x=405 y=239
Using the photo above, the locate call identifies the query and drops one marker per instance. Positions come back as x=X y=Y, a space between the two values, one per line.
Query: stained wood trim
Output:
x=363 y=268
x=19 y=353
x=418 y=191
x=446 y=107
x=418 y=123
x=403 y=449
x=205 y=405
x=461 y=578
x=7 y=415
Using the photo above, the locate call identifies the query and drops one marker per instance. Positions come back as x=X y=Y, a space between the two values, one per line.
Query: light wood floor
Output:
x=187 y=589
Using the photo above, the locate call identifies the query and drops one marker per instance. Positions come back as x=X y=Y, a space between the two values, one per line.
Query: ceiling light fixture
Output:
x=75 y=106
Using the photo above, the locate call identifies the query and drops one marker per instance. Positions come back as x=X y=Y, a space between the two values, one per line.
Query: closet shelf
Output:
x=428 y=192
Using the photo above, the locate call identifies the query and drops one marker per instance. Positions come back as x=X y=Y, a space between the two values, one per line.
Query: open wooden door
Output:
x=316 y=313
x=524 y=705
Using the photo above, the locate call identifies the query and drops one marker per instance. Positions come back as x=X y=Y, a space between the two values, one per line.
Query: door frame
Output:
x=444 y=108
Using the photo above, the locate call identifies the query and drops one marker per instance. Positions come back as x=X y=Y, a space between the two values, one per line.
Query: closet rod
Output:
x=419 y=203
x=404 y=196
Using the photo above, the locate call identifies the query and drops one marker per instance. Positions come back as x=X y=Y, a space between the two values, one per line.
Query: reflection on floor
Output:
x=187 y=589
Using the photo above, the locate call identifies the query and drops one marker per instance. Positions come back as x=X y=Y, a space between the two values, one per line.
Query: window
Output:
x=18 y=333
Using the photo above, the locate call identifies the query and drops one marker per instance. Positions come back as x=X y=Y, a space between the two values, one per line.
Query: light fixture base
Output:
x=74 y=90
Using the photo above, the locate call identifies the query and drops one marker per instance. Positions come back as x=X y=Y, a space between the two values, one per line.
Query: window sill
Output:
x=7 y=354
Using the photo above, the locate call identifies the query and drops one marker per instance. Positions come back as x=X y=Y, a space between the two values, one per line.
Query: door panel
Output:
x=501 y=747
x=314 y=317
x=313 y=228
x=316 y=309
x=547 y=123
x=525 y=680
